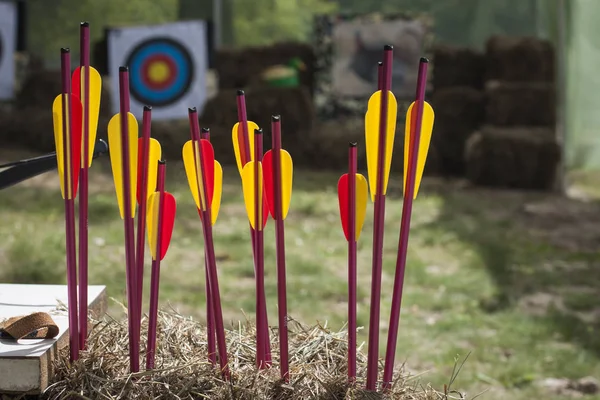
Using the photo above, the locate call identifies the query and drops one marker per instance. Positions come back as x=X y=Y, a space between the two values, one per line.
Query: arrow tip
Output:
x=64 y=50
x=123 y=68
x=275 y=118
x=388 y=47
x=258 y=131
x=147 y=108
x=424 y=60
x=162 y=162
x=353 y=144
x=240 y=92
x=380 y=63
x=85 y=24
x=192 y=110
x=205 y=130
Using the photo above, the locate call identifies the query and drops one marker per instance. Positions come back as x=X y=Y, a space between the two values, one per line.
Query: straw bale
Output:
x=457 y=66
x=524 y=158
x=520 y=104
x=318 y=366
x=519 y=59
x=239 y=68
x=459 y=112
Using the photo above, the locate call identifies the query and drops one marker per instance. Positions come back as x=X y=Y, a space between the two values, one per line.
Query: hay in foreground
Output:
x=317 y=365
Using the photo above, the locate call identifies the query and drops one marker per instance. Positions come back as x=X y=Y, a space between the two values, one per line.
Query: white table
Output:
x=26 y=366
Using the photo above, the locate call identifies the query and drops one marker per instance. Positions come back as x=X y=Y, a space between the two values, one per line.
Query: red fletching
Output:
x=76 y=121
x=208 y=168
x=168 y=220
x=343 y=202
x=269 y=190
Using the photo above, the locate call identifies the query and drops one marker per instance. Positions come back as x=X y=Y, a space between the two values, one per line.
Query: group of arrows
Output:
x=139 y=175
x=380 y=127
x=139 y=178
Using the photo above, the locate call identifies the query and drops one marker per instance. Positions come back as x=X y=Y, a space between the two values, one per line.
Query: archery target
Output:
x=8 y=30
x=167 y=67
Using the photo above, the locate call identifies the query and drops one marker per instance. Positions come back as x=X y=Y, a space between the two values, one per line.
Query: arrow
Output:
x=243 y=144
x=419 y=122
x=352 y=196
x=210 y=317
x=203 y=173
x=258 y=213
x=66 y=115
x=278 y=175
x=380 y=122
x=148 y=154
x=161 y=218
x=424 y=141
x=87 y=85
x=123 y=142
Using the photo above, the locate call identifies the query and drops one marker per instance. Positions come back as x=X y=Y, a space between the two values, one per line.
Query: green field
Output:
x=512 y=278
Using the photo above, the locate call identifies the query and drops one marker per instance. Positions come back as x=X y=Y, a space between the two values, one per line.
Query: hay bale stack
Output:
x=521 y=104
x=457 y=66
x=519 y=59
x=30 y=128
x=293 y=104
x=41 y=87
x=523 y=158
x=459 y=112
x=240 y=68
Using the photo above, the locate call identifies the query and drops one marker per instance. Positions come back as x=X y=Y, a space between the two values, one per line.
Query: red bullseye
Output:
x=158 y=71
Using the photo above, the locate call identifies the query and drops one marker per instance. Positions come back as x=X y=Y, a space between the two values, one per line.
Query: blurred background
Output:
x=503 y=260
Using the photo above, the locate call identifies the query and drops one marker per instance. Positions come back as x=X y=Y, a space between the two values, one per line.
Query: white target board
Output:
x=8 y=38
x=167 y=67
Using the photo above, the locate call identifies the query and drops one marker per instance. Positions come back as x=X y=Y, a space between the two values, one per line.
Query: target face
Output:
x=167 y=67
x=8 y=41
x=161 y=71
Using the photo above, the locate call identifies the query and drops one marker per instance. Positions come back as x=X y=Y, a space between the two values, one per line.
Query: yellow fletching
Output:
x=372 y=139
x=154 y=156
x=216 y=201
x=236 y=144
x=94 y=107
x=362 y=195
x=116 y=162
x=287 y=172
x=57 y=121
x=152 y=222
x=58 y=140
x=424 y=141
x=189 y=164
x=248 y=189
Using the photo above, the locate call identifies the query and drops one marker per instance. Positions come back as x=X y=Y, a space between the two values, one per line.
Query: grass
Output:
x=513 y=278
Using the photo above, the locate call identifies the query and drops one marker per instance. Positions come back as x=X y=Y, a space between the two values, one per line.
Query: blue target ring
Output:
x=161 y=71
